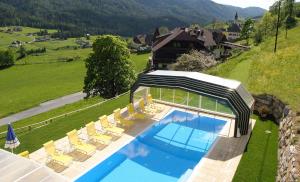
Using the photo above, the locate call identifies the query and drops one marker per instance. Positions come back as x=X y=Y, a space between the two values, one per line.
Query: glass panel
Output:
x=208 y=103
x=167 y=94
x=194 y=99
x=140 y=93
x=180 y=97
x=155 y=93
x=224 y=107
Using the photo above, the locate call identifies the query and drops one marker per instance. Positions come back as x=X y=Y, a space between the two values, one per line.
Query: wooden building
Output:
x=168 y=47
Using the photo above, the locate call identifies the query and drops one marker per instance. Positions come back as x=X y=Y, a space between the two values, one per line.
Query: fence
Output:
x=31 y=127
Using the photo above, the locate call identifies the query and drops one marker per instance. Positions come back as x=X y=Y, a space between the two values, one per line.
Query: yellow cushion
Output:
x=102 y=138
x=86 y=148
x=63 y=159
x=115 y=130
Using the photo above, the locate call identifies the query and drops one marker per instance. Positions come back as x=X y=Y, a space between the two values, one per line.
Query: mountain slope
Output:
x=126 y=17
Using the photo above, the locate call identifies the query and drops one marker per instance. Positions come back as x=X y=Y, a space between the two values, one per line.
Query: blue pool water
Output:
x=167 y=152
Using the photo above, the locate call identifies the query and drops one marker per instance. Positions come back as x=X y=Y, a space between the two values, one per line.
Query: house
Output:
x=143 y=39
x=168 y=47
x=233 y=32
x=16 y=44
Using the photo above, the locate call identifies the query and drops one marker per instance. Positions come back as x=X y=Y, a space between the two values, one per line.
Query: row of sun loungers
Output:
x=104 y=137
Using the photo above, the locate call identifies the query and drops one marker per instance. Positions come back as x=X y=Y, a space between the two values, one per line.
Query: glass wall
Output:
x=182 y=97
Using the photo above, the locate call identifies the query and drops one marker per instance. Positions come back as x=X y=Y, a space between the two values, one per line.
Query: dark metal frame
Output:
x=241 y=110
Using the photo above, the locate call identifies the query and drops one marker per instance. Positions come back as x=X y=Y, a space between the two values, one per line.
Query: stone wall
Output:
x=288 y=144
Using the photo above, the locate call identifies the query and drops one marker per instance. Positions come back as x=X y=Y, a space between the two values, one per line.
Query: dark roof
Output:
x=206 y=37
x=167 y=39
x=143 y=39
x=234 y=27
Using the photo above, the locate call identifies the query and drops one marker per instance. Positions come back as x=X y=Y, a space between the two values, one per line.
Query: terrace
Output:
x=181 y=135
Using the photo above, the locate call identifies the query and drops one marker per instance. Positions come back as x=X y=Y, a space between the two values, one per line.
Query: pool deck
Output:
x=219 y=164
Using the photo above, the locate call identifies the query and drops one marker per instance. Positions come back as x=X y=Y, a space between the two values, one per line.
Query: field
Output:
x=42 y=77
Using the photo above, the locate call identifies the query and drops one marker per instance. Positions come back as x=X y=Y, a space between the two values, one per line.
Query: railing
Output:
x=31 y=127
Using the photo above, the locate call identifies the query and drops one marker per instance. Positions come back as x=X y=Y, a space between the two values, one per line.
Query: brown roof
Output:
x=168 y=39
x=206 y=37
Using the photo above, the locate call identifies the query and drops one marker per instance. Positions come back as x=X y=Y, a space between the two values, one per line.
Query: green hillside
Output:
x=123 y=17
x=262 y=71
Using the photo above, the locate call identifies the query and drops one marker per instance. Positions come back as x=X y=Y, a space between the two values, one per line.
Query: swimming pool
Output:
x=166 y=152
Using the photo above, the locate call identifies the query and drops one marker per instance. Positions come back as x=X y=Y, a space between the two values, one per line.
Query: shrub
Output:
x=6 y=59
x=194 y=61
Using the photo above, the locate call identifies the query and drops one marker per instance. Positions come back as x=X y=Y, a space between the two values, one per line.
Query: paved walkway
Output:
x=44 y=107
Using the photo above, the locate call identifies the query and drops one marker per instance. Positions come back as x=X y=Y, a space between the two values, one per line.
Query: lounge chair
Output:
x=133 y=114
x=120 y=120
x=93 y=135
x=151 y=104
x=56 y=156
x=79 y=145
x=110 y=128
x=146 y=110
x=24 y=154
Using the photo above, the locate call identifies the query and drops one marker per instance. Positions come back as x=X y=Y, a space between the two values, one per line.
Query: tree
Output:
x=258 y=36
x=194 y=61
x=247 y=30
x=6 y=59
x=22 y=52
x=109 y=70
x=289 y=23
x=163 y=30
x=268 y=24
x=289 y=20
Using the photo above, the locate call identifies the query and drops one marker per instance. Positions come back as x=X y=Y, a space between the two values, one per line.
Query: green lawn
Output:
x=59 y=127
x=259 y=162
x=26 y=86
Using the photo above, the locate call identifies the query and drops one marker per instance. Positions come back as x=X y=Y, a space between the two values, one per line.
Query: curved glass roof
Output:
x=231 y=90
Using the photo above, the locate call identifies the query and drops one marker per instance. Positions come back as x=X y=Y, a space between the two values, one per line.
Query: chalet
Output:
x=168 y=47
x=143 y=39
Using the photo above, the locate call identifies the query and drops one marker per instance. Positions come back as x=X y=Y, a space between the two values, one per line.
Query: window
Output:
x=177 y=44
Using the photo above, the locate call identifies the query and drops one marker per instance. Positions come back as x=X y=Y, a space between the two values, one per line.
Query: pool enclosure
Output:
x=199 y=92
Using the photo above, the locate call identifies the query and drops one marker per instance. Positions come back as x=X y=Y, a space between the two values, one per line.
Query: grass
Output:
x=263 y=71
x=58 y=128
x=259 y=162
x=45 y=76
x=53 y=113
x=26 y=86
x=23 y=87
x=39 y=78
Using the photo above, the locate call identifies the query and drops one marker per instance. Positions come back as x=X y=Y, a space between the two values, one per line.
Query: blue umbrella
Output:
x=11 y=139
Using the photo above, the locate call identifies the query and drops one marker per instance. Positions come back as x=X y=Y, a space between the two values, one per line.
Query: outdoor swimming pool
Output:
x=167 y=152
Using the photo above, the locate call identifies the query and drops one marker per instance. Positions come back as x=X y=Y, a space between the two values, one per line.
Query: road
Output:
x=43 y=107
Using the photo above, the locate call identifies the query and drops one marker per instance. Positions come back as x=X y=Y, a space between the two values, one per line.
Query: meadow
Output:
x=45 y=76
